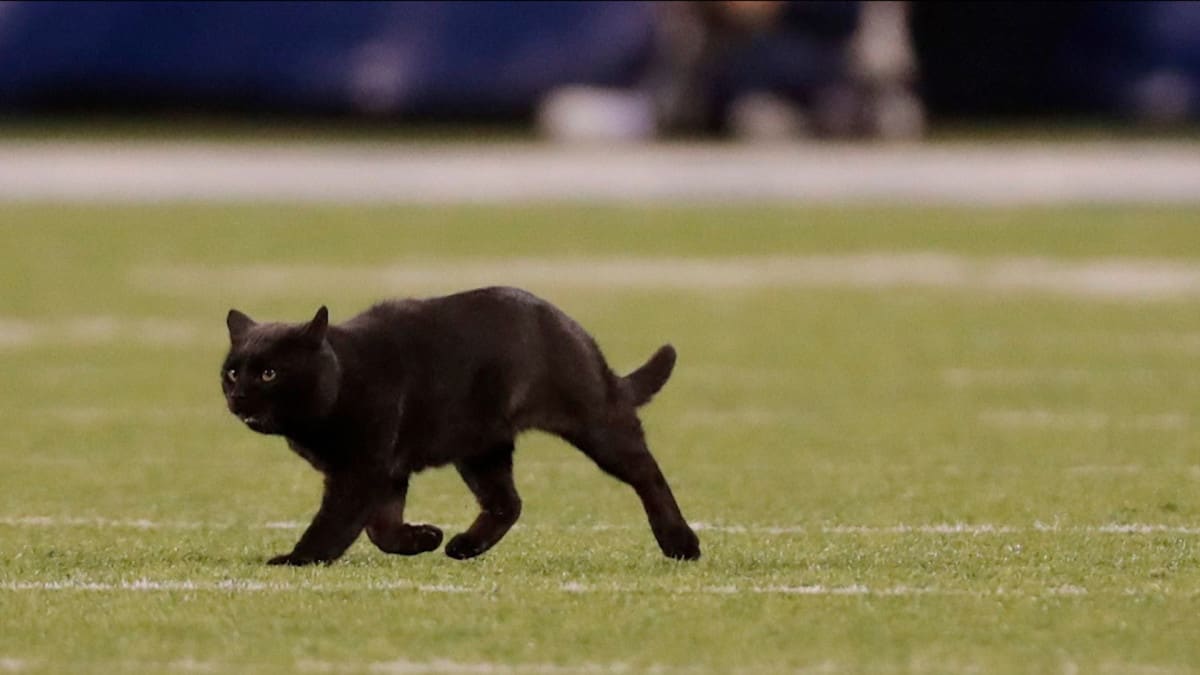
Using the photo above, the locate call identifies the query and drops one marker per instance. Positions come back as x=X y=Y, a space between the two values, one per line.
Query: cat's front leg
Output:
x=351 y=496
x=388 y=531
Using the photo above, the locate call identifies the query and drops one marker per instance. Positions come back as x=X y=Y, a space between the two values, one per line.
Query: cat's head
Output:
x=279 y=377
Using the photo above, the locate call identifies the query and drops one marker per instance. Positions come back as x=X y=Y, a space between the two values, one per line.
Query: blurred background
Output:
x=610 y=70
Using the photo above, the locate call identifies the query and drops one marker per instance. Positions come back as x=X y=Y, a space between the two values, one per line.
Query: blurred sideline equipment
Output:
x=764 y=69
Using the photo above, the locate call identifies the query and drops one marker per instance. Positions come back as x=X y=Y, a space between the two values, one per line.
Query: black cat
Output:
x=410 y=384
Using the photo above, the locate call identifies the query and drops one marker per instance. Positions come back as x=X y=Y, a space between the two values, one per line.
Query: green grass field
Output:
x=983 y=460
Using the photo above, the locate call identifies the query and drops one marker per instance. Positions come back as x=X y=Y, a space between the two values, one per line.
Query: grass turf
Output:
x=893 y=479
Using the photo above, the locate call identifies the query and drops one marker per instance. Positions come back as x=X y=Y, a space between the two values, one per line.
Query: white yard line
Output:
x=86 y=416
x=246 y=586
x=1012 y=173
x=16 y=333
x=742 y=417
x=448 y=666
x=452 y=667
x=941 y=528
x=231 y=586
x=239 y=586
x=1125 y=279
x=389 y=667
x=101 y=330
x=722 y=528
x=98 y=522
x=1018 y=377
x=1112 y=469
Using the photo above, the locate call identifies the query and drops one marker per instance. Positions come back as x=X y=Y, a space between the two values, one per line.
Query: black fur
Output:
x=411 y=384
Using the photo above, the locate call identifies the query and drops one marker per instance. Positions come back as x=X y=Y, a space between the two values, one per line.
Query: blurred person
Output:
x=763 y=69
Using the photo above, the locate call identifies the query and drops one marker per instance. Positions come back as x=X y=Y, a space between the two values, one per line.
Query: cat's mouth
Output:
x=258 y=423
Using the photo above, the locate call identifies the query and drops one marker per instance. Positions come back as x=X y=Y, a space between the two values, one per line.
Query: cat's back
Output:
x=490 y=310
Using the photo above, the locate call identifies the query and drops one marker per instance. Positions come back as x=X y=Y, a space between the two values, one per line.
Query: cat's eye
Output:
x=268 y=375
x=231 y=374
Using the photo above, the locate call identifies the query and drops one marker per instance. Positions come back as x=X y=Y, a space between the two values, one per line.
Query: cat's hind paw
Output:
x=680 y=544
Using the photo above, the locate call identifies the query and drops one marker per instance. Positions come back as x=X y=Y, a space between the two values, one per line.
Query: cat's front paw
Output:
x=464 y=546
x=294 y=560
x=405 y=539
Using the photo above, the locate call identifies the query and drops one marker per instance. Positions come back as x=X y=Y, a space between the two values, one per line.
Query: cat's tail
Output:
x=643 y=383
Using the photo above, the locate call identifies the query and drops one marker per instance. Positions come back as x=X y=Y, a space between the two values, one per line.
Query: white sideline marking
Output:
x=705 y=173
x=1129 y=279
x=727 y=528
x=11 y=665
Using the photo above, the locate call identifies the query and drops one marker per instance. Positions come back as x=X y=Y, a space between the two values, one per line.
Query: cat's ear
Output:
x=315 y=330
x=238 y=324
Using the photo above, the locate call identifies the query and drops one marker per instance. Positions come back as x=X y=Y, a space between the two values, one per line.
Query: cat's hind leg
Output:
x=388 y=531
x=489 y=476
x=618 y=446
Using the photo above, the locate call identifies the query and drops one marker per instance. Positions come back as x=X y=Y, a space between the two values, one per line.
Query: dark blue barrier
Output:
x=1139 y=59
x=489 y=59
x=479 y=57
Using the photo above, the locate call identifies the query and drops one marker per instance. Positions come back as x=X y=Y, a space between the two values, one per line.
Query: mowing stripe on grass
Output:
x=1082 y=419
x=1100 y=279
